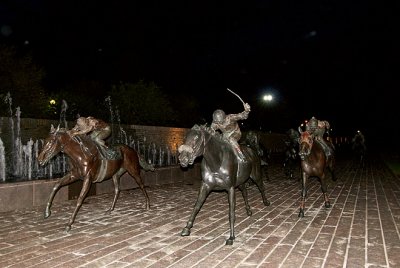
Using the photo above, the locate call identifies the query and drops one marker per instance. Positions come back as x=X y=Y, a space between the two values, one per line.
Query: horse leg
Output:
x=260 y=185
x=303 y=194
x=362 y=160
x=243 y=189
x=324 y=190
x=232 y=203
x=331 y=170
x=258 y=180
x=67 y=179
x=292 y=166
x=116 y=181
x=285 y=167
x=334 y=178
x=203 y=193
x=85 y=189
x=135 y=173
x=264 y=171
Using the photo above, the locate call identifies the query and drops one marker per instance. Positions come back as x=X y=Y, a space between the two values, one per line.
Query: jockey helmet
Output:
x=312 y=124
x=218 y=116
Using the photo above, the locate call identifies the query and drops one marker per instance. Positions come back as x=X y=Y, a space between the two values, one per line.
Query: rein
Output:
x=197 y=146
x=195 y=149
x=307 y=140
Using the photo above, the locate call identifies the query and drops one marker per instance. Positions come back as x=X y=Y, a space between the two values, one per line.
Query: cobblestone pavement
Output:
x=361 y=229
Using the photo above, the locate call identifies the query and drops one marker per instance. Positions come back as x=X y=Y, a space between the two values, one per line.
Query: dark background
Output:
x=334 y=60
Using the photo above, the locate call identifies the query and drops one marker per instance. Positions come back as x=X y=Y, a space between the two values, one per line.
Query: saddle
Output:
x=108 y=153
x=328 y=148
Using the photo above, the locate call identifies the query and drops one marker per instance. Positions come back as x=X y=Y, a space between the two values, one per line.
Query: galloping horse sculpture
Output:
x=291 y=153
x=314 y=163
x=359 y=149
x=87 y=164
x=220 y=170
x=252 y=140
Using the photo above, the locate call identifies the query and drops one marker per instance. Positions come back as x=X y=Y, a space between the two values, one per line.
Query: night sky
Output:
x=334 y=60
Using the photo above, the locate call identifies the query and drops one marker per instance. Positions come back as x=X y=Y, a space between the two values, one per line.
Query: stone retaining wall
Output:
x=28 y=194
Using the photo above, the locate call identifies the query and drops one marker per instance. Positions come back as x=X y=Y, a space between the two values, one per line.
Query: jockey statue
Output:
x=96 y=128
x=317 y=129
x=229 y=127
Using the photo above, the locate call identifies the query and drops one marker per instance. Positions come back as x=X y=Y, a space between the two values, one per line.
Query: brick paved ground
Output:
x=360 y=230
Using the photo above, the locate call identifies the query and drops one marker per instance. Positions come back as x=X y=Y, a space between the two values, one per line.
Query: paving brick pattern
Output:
x=361 y=229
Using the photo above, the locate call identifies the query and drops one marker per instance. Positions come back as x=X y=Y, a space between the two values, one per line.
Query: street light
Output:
x=52 y=106
x=268 y=97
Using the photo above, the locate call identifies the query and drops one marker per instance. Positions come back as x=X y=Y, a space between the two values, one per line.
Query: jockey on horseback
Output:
x=229 y=127
x=317 y=129
x=359 y=140
x=98 y=129
x=292 y=142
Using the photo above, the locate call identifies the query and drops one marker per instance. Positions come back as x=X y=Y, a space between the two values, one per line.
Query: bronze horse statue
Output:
x=359 y=149
x=88 y=165
x=252 y=140
x=314 y=163
x=291 y=160
x=220 y=170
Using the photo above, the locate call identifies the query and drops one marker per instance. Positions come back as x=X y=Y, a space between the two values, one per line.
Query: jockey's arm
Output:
x=214 y=126
x=239 y=116
x=77 y=131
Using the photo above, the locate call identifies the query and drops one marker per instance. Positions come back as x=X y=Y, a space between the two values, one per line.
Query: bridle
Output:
x=307 y=139
x=195 y=150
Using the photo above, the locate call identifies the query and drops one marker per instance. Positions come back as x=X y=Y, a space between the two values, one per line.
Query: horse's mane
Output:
x=62 y=130
x=209 y=130
x=85 y=139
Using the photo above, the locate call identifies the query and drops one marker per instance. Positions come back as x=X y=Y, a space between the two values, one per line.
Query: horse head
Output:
x=306 y=142
x=192 y=147
x=51 y=147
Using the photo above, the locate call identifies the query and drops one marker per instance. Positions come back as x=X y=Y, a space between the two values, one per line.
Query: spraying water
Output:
x=2 y=162
x=18 y=153
x=108 y=101
x=63 y=117
x=23 y=164
x=8 y=100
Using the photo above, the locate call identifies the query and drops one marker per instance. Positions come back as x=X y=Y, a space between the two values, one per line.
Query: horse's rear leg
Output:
x=67 y=179
x=135 y=173
x=203 y=193
x=82 y=195
x=324 y=189
x=116 y=181
x=331 y=168
x=243 y=189
x=260 y=184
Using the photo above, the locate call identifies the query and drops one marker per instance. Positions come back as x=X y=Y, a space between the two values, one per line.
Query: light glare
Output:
x=267 y=97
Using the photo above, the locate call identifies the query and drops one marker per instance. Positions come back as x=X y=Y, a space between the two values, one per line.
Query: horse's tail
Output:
x=143 y=164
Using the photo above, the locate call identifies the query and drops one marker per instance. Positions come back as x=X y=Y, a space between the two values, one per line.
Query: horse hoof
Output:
x=327 y=204
x=108 y=212
x=185 y=232
x=47 y=214
x=229 y=242
x=267 y=203
x=67 y=228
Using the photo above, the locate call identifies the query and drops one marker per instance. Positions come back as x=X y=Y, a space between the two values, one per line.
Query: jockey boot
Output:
x=327 y=149
x=238 y=152
x=102 y=143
